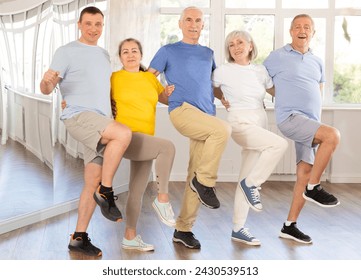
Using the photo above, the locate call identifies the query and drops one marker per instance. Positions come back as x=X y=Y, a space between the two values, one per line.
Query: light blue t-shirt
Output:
x=297 y=79
x=189 y=68
x=85 y=78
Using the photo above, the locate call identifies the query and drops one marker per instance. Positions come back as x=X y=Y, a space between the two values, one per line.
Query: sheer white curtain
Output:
x=138 y=19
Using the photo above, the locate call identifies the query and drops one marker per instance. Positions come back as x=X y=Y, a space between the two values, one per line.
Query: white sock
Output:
x=288 y=223
x=311 y=186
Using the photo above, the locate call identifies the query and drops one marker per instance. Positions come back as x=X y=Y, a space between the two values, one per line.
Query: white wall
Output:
x=345 y=166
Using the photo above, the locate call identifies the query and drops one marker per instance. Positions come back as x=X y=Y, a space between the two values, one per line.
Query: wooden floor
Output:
x=336 y=232
x=26 y=183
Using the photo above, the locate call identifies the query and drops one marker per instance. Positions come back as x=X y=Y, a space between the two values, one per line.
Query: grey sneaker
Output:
x=252 y=196
x=244 y=236
x=107 y=205
x=83 y=245
x=292 y=232
x=165 y=212
x=206 y=195
x=319 y=196
x=137 y=244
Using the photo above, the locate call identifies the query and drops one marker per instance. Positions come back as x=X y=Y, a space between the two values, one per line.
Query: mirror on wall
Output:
x=41 y=167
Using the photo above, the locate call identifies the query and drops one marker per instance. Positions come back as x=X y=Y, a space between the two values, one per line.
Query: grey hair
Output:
x=190 y=8
x=244 y=35
x=303 y=16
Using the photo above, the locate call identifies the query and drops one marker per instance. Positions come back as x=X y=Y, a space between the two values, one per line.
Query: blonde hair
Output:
x=244 y=35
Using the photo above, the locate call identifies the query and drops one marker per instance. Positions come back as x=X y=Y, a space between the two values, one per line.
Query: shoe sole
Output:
x=137 y=248
x=176 y=240
x=76 y=249
x=205 y=204
x=319 y=204
x=105 y=214
x=287 y=236
x=254 y=243
x=249 y=203
x=163 y=220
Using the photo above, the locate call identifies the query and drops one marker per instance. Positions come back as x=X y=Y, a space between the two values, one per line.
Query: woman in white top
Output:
x=243 y=86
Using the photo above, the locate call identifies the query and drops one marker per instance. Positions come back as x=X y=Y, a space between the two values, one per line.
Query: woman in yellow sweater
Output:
x=135 y=93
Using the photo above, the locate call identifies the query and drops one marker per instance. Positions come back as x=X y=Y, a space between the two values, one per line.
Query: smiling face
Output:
x=91 y=27
x=191 y=23
x=302 y=31
x=240 y=49
x=130 y=56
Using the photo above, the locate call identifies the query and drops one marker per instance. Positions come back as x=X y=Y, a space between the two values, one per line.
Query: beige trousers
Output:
x=208 y=138
x=261 y=152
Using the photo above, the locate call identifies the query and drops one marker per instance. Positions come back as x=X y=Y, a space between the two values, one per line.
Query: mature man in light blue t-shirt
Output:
x=298 y=76
x=83 y=72
x=189 y=66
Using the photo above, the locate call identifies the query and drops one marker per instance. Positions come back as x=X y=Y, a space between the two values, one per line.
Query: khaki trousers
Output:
x=208 y=138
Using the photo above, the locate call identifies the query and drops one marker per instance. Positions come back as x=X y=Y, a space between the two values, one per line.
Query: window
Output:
x=347 y=60
x=335 y=41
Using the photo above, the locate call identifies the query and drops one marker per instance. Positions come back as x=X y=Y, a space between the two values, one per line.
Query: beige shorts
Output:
x=87 y=127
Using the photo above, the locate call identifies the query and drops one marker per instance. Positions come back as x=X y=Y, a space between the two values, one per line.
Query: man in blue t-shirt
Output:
x=189 y=66
x=83 y=71
x=298 y=76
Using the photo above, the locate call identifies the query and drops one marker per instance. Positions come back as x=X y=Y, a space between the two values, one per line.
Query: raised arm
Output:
x=50 y=80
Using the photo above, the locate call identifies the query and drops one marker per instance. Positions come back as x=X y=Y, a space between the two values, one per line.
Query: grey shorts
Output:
x=87 y=127
x=301 y=129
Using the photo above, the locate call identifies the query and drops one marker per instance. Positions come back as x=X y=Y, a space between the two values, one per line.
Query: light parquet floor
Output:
x=336 y=232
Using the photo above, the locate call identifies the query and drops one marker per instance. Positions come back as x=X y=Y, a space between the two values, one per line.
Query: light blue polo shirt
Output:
x=297 y=79
x=188 y=67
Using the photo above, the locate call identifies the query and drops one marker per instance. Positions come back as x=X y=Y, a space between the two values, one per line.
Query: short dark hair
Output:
x=90 y=10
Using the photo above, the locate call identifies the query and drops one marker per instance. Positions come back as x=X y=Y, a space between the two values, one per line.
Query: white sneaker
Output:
x=137 y=244
x=165 y=212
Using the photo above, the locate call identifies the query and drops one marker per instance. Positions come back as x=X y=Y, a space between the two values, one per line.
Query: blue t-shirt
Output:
x=297 y=78
x=189 y=68
x=85 y=78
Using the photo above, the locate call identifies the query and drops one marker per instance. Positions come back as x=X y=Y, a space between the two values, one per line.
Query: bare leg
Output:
x=328 y=138
x=117 y=137
x=303 y=175
x=92 y=177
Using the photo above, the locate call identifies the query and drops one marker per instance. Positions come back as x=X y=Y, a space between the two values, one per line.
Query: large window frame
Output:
x=217 y=12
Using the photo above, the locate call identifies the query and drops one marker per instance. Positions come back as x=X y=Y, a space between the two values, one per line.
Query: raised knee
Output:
x=335 y=137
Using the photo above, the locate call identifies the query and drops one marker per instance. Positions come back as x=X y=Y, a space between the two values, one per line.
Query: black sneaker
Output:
x=292 y=232
x=107 y=205
x=206 y=195
x=187 y=238
x=83 y=245
x=319 y=196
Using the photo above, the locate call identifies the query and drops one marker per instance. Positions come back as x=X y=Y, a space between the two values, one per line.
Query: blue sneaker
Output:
x=244 y=236
x=252 y=195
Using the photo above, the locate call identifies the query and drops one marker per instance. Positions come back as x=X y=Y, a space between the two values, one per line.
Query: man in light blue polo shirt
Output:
x=298 y=76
